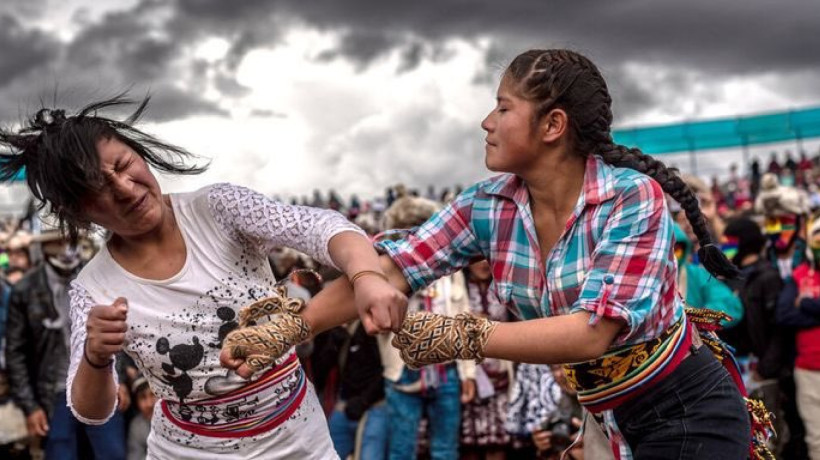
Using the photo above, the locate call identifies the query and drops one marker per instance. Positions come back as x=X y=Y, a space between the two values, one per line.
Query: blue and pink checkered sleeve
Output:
x=631 y=263
x=442 y=245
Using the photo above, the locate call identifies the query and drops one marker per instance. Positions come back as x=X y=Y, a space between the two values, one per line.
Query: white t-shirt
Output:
x=176 y=326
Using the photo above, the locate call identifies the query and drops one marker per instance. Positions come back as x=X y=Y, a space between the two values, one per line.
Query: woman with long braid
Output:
x=579 y=239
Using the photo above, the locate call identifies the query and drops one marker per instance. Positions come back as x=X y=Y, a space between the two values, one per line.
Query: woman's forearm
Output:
x=335 y=304
x=553 y=340
x=353 y=253
x=93 y=393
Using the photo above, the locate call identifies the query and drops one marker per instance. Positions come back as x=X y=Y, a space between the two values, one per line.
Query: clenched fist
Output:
x=427 y=338
x=253 y=346
x=105 y=329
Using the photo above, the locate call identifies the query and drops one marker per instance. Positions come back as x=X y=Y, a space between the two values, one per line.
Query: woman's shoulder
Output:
x=500 y=184
x=627 y=179
x=212 y=201
x=97 y=267
x=204 y=193
x=626 y=182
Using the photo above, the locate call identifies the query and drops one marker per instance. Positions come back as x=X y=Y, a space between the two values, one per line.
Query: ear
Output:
x=554 y=126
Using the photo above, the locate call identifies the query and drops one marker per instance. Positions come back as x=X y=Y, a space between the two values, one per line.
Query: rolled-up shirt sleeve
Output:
x=632 y=260
x=441 y=246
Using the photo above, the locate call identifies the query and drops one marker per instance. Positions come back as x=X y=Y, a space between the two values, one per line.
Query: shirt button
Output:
x=609 y=279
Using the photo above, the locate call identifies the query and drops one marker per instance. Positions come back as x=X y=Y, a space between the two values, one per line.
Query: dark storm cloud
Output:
x=170 y=103
x=731 y=36
x=718 y=39
x=23 y=50
x=143 y=45
x=361 y=47
x=118 y=52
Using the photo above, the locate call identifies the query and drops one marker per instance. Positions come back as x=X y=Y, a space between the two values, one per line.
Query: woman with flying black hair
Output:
x=167 y=285
x=580 y=243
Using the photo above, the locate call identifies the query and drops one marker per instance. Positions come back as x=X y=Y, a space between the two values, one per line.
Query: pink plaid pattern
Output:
x=615 y=258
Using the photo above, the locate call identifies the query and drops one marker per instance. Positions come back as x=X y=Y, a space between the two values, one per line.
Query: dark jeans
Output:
x=374 y=434
x=442 y=406
x=697 y=412
x=107 y=440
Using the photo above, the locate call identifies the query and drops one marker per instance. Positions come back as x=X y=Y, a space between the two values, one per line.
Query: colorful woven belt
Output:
x=624 y=373
x=255 y=408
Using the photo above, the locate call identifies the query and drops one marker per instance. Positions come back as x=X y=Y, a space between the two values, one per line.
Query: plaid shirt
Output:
x=614 y=259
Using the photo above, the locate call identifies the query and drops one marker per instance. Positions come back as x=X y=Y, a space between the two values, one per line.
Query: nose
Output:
x=122 y=187
x=487 y=124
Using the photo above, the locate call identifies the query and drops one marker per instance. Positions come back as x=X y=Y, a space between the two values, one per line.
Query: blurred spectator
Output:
x=286 y=262
x=13 y=431
x=317 y=201
x=814 y=197
x=390 y=196
x=437 y=390
x=759 y=343
x=334 y=202
x=804 y=168
x=37 y=356
x=18 y=251
x=358 y=423
x=14 y=274
x=545 y=408
x=799 y=307
x=482 y=420
x=355 y=208
x=774 y=166
x=699 y=288
x=758 y=288
x=790 y=164
x=755 y=178
x=708 y=206
x=140 y=426
x=785 y=210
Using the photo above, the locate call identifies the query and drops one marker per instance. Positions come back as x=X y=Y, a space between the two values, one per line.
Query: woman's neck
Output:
x=556 y=183
x=165 y=234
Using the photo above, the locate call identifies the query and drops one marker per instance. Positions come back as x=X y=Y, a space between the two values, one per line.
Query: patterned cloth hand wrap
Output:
x=262 y=344
x=427 y=338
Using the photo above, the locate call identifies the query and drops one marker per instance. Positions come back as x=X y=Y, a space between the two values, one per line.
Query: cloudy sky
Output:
x=287 y=96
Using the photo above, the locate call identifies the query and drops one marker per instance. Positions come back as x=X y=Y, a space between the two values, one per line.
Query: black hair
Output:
x=564 y=79
x=751 y=239
x=59 y=157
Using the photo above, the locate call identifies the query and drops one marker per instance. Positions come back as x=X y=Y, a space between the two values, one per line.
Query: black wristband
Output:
x=90 y=363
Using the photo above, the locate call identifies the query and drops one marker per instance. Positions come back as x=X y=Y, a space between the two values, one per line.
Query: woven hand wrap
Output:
x=261 y=345
x=426 y=338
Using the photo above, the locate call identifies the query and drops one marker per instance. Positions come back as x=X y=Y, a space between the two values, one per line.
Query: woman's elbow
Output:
x=601 y=337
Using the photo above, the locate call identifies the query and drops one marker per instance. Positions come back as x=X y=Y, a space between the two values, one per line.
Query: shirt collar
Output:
x=599 y=184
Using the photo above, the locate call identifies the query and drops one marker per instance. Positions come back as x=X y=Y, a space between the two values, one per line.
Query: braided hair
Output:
x=59 y=157
x=559 y=78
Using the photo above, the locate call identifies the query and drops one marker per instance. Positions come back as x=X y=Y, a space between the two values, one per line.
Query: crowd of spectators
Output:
x=766 y=220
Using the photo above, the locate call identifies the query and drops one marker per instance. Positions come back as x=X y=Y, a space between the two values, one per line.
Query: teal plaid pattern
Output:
x=615 y=258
